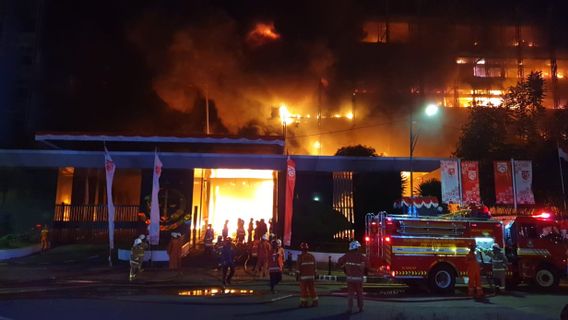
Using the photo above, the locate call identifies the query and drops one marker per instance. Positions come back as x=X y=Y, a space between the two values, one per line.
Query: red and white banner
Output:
x=450 y=181
x=110 y=167
x=523 y=182
x=470 y=182
x=154 y=233
x=289 y=207
x=503 y=182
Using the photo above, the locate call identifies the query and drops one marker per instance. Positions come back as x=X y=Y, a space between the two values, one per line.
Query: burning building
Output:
x=205 y=180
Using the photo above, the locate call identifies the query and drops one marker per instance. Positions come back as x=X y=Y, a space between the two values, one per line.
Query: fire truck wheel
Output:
x=442 y=279
x=545 y=278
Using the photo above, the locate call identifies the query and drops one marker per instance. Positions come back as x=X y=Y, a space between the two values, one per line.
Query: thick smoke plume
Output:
x=243 y=73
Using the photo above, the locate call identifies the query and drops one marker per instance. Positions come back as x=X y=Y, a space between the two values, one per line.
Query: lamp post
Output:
x=430 y=111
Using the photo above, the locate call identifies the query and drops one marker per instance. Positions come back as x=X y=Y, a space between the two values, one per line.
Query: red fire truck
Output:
x=435 y=248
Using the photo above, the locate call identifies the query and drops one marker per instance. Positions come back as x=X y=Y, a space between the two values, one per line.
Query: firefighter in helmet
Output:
x=307 y=273
x=136 y=258
x=499 y=264
x=354 y=264
x=474 y=273
x=275 y=264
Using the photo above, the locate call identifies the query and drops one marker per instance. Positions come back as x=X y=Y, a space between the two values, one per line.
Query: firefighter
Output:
x=354 y=264
x=307 y=272
x=263 y=255
x=136 y=258
x=174 y=251
x=276 y=264
x=209 y=236
x=44 y=238
x=145 y=246
x=474 y=273
x=499 y=264
x=228 y=261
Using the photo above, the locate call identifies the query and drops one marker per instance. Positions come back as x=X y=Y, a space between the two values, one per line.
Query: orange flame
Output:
x=262 y=33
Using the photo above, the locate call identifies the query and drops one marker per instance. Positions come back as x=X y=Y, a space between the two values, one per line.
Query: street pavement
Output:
x=56 y=286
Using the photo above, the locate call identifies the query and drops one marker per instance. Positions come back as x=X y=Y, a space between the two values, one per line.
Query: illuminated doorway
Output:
x=230 y=194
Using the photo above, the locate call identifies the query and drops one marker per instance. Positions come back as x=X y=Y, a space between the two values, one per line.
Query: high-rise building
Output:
x=20 y=35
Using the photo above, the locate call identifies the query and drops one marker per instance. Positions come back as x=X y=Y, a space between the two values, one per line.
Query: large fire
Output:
x=241 y=194
x=262 y=33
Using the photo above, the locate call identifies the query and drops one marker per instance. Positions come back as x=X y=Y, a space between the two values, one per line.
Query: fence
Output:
x=89 y=223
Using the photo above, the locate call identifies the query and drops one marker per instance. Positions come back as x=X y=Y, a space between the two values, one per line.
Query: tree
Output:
x=520 y=128
x=357 y=151
x=431 y=188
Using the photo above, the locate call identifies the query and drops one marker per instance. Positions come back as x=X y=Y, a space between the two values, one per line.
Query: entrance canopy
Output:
x=187 y=160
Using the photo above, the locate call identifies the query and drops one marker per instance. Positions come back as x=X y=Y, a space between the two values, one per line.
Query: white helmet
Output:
x=137 y=242
x=354 y=245
x=279 y=242
x=264 y=237
x=141 y=237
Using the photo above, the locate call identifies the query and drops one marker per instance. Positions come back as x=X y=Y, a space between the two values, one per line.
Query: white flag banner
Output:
x=110 y=167
x=523 y=182
x=155 y=205
x=450 y=181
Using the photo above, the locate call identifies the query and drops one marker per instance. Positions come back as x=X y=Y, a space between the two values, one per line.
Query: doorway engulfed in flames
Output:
x=232 y=194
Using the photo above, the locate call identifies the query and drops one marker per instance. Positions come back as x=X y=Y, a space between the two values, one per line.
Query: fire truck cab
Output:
x=537 y=250
x=429 y=248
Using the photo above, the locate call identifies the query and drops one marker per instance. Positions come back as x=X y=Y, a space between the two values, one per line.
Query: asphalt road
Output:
x=517 y=306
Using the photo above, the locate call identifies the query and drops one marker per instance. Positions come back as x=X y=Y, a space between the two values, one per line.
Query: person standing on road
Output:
x=208 y=241
x=136 y=258
x=276 y=264
x=241 y=232
x=174 y=251
x=263 y=256
x=44 y=238
x=499 y=264
x=474 y=288
x=307 y=274
x=225 y=232
x=228 y=261
x=354 y=264
x=250 y=230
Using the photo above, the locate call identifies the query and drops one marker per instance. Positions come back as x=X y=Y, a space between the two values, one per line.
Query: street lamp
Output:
x=430 y=111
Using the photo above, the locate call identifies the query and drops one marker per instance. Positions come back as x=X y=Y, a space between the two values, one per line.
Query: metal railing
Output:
x=77 y=223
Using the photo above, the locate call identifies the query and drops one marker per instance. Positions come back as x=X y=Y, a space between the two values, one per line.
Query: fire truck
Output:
x=434 y=248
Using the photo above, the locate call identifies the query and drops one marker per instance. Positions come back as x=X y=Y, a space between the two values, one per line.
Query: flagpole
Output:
x=514 y=185
x=561 y=175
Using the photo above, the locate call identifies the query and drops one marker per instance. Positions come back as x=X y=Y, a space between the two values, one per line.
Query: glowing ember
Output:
x=262 y=33
x=349 y=116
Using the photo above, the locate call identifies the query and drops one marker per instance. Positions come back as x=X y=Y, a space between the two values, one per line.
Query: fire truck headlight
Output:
x=367 y=239
x=387 y=239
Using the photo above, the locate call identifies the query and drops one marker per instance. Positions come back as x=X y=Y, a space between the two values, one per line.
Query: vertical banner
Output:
x=289 y=207
x=155 y=205
x=110 y=167
x=523 y=182
x=470 y=182
x=503 y=182
x=450 y=181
